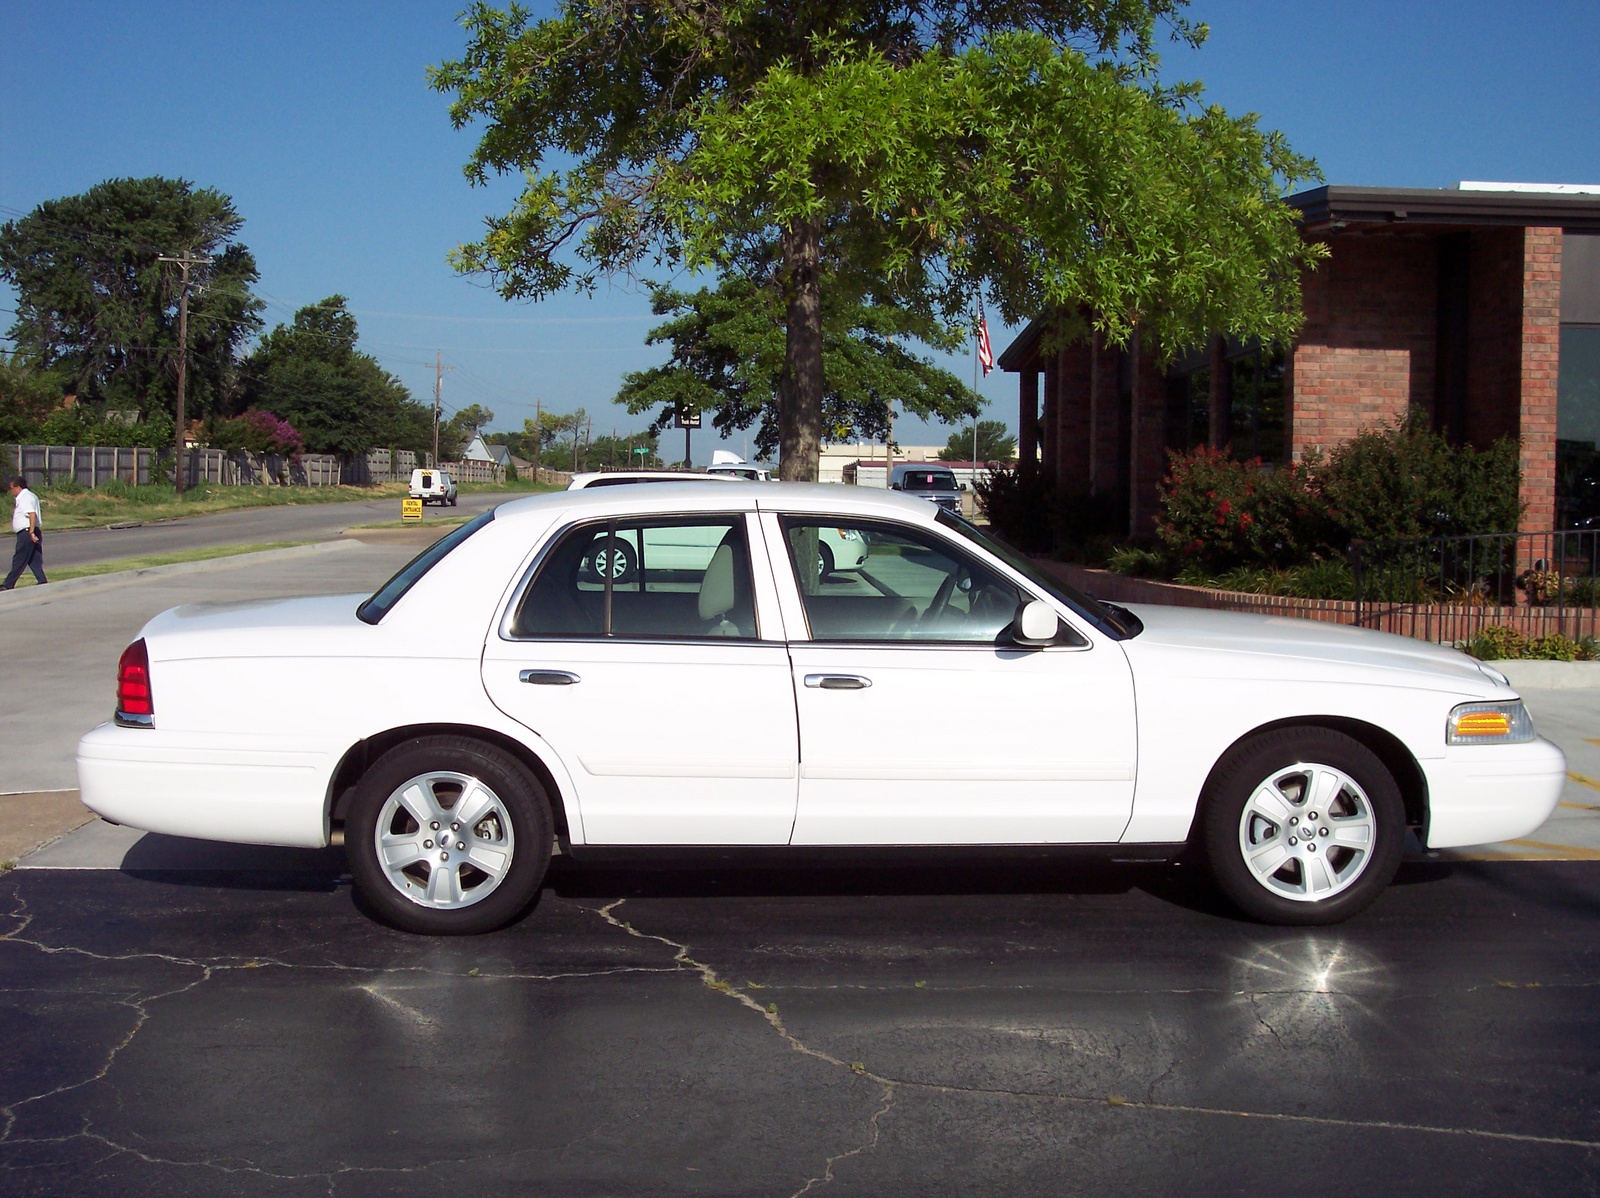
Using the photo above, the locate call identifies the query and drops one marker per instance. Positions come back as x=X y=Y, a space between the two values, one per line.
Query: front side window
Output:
x=868 y=581
x=675 y=578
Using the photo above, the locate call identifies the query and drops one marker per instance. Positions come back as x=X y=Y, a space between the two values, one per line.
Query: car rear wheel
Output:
x=615 y=557
x=448 y=836
x=1303 y=826
x=824 y=561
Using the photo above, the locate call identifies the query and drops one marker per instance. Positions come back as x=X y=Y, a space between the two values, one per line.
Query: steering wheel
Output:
x=941 y=600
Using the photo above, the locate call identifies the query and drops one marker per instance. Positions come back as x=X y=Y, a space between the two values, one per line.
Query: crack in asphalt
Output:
x=712 y=980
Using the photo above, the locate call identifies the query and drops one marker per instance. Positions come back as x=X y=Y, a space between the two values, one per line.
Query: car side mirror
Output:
x=1036 y=625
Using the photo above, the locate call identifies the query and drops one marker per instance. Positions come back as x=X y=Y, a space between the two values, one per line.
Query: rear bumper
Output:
x=206 y=786
x=1478 y=794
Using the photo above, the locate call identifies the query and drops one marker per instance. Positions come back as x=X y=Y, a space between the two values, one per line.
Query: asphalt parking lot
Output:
x=180 y=1018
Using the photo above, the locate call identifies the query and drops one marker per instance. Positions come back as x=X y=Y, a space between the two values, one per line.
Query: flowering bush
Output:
x=1219 y=512
x=258 y=431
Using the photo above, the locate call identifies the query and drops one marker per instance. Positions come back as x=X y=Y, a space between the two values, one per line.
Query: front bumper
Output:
x=232 y=788
x=1479 y=794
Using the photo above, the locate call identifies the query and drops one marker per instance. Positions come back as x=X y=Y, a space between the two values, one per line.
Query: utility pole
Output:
x=185 y=261
x=438 y=390
x=538 y=433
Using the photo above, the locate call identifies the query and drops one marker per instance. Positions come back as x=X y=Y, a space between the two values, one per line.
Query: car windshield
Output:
x=1114 y=621
x=927 y=480
x=386 y=596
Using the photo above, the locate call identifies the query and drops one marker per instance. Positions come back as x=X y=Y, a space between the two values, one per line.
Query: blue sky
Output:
x=317 y=120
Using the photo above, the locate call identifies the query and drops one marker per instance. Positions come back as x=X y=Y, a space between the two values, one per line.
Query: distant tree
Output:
x=728 y=361
x=994 y=444
x=27 y=396
x=311 y=374
x=470 y=420
x=97 y=307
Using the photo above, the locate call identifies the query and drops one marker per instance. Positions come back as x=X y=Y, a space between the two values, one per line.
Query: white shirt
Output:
x=27 y=502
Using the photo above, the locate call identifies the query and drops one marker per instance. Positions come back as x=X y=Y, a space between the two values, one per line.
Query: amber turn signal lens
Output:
x=1483 y=723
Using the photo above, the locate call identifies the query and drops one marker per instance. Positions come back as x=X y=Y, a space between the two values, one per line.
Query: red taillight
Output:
x=133 y=682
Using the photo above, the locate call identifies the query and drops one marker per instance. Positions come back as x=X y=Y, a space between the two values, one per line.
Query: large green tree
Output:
x=920 y=151
x=97 y=307
x=311 y=374
x=728 y=353
x=994 y=444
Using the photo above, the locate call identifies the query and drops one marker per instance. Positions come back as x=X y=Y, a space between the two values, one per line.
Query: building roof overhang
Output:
x=1334 y=208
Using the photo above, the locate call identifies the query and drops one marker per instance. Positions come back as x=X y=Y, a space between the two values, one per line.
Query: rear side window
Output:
x=676 y=579
x=390 y=593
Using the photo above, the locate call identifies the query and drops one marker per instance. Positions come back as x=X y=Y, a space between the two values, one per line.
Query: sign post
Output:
x=686 y=421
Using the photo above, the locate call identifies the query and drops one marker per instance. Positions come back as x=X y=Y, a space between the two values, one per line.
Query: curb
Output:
x=35 y=596
x=1549 y=675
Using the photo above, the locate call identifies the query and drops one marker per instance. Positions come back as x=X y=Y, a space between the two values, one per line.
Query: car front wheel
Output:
x=1303 y=826
x=448 y=836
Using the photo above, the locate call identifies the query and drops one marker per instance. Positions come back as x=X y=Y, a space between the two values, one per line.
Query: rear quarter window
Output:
x=391 y=592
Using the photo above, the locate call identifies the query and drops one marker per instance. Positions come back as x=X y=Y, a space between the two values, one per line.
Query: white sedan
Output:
x=500 y=698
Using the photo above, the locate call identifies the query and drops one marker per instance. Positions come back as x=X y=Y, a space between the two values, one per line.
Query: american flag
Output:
x=985 y=353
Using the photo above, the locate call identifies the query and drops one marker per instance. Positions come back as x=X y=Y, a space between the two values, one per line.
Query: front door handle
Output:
x=838 y=682
x=548 y=677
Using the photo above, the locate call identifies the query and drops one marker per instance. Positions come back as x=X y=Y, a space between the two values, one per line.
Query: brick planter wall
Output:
x=1443 y=623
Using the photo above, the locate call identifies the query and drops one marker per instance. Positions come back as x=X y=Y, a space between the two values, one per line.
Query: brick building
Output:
x=1478 y=306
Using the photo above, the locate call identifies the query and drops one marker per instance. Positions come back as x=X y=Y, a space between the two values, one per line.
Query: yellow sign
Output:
x=411 y=509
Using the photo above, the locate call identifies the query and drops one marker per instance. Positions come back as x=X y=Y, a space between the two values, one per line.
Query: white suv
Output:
x=433 y=486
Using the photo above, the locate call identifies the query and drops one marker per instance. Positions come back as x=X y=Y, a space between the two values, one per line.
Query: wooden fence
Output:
x=90 y=465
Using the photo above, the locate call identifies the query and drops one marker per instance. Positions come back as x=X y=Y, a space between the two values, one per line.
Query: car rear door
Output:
x=666 y=692
x=919 y=725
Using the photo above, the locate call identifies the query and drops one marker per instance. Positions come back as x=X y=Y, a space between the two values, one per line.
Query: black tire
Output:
x=620 y=553
x=401 y=898
x=824 y=561
x=1287 y=764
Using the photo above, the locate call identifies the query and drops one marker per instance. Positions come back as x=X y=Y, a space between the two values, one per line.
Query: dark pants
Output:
x=29 y=556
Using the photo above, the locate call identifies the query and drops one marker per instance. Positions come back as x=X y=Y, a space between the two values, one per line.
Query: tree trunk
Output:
x=800 y=395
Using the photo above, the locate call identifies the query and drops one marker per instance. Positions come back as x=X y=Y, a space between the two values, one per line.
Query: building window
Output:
x=1189 y=410
x=1256 y=382
x=1578 y=428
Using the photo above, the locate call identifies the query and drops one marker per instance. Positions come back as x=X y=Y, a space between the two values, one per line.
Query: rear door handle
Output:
x=838 y=682
x=548 y=677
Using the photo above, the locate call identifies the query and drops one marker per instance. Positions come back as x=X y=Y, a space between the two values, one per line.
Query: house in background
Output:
x=1478 y=306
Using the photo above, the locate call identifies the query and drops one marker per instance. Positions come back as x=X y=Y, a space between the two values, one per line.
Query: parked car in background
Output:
x=433 y=486
x=724 y=692
x=937 y=484
x=725 y=462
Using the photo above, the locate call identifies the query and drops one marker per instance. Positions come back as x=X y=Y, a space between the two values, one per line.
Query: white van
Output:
x=433 y=486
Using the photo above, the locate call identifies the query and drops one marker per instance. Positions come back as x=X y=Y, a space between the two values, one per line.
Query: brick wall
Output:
x=1149 y=439
x=1072 y=417
x=1367 y=350
x=1540 y=358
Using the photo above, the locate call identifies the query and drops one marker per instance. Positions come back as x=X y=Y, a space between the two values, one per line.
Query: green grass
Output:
x=71 y=506
x=438 y=522
x=526 y=485
x=145 y=561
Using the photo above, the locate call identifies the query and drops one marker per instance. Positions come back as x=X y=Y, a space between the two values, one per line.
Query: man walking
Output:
x=30 y=534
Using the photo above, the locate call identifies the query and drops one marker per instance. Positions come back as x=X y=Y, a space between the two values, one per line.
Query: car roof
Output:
x=734 y=494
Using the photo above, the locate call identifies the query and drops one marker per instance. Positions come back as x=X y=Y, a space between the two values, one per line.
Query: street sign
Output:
x=686 y=419
x=411 y=509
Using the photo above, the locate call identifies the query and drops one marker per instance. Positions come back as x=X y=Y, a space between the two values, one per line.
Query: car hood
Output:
x=1286 y=647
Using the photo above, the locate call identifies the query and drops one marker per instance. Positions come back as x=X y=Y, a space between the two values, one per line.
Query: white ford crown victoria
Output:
x=752 y=699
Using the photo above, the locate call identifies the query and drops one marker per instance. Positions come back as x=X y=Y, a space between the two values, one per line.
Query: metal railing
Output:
x=1447 y=589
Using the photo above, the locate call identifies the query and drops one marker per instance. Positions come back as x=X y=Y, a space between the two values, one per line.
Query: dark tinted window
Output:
x=386 y=596
x=676 y=578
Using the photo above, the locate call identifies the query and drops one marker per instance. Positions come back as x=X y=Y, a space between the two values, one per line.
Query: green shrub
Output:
x=1500 y=641
x=1402 y=481
x=1019 y=506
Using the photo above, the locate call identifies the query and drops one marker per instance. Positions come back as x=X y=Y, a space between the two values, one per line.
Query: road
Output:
x=249 y=526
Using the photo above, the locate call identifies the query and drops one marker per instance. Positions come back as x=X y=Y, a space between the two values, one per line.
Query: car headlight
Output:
x=1488 y=724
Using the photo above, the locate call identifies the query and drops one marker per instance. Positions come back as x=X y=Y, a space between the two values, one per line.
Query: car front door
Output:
x=920 y=724
x=667 y=699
